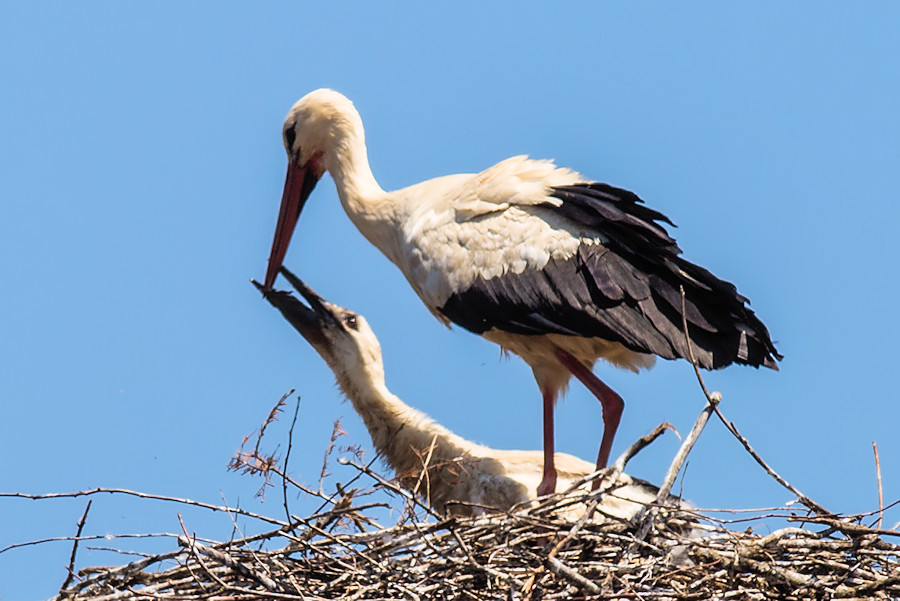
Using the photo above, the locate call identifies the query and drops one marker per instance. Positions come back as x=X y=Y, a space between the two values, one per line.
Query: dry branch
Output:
x=71 y=568
x=141 y=495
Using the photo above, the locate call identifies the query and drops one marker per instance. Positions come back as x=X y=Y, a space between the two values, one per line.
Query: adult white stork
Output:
x=557 y=269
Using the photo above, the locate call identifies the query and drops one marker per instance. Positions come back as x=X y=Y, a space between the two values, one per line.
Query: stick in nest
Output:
x=880 y=490
x=713 y=400
x=71 y=566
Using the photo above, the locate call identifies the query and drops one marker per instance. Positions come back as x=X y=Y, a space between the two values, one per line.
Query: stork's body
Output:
x=459 y=476
x=555 y=269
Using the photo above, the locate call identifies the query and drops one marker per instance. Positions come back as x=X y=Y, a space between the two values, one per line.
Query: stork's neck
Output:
x=402 y=434
x=368 y=206
x=349 y=166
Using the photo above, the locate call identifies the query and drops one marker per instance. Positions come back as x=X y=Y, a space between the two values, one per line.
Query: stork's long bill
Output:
x=308 y=320
x=298 y=185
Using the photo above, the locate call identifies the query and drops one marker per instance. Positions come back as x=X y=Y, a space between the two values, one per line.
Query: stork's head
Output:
x=343 y=338
x=315 y=130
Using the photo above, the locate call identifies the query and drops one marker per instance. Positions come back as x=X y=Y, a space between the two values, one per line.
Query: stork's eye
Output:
x=290 y=136
x=350 y=321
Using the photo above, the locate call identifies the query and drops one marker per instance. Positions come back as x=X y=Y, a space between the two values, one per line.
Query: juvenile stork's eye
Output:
x=290 y=136
x=350 y=321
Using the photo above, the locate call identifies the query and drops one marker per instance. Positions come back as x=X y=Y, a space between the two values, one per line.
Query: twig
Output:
x=287 y=456
x=880 y=491
x=322 y=522
x=114 y=550
x=613 y=473
x=336 y=431
x=402 y=492
x=139 y=565
x=842 y=525
x=685 y=448
x=479 y=566
x=228 y=560
x=141 y=495
x=558 y=567
x=589 y=511
x=663 y=495
x=71 y=567
x=424 y=474
x=188 y=541
x=690 y=347
x=640 y=444
x=57 y=539
x=272 y=417
x=713 y=402
x=800 y=496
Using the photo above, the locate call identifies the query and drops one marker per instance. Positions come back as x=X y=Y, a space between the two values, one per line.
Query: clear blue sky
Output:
x=141 y=168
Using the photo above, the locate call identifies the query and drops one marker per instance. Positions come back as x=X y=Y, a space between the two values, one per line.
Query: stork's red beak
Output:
x=298 y=185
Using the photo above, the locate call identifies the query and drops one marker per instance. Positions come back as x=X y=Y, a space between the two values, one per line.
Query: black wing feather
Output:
x=626 y=289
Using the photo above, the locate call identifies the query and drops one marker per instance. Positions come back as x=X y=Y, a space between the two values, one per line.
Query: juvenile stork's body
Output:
x=449 y=472
x=556 y=269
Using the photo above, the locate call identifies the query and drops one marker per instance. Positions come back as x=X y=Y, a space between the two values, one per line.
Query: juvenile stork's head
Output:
x=342 y=338
x=318 y=133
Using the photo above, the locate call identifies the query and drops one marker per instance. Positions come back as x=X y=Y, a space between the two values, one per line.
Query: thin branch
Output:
x=336 y=432
x=189 y=542
x=272 y=417
x=663 y=495
x=713 y=402
x=479 y=566
x=141 y=495
x=558 y=567
x=287 y=456
x=880 y=490
x=228 y=560
x=685 y=448
x=612 y=473
x=690 y=346
x=71 y=567
x=800 y=496
x=69 y=539
x=402 y=492
x=640 y=444
x=424 y=475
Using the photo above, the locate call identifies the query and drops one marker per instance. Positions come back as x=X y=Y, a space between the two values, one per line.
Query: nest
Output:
x=532 y=553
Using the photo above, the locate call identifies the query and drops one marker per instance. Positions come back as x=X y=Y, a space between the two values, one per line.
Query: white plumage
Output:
x=556 y=269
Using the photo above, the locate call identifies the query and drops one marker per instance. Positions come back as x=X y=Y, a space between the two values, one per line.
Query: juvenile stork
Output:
x=460 y=477
x=557 y=269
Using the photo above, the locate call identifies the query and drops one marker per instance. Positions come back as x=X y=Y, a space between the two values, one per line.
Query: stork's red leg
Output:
x=611 y=402
x=548 y=482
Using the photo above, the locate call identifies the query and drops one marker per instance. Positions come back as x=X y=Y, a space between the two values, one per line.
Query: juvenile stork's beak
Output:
x=309 y=321
x=298 y=185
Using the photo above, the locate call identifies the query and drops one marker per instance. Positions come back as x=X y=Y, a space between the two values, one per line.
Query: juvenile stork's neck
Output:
x=403 y=435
